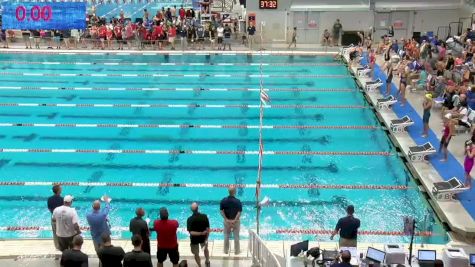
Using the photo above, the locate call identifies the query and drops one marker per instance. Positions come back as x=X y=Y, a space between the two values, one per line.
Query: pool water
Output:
x=218 y=96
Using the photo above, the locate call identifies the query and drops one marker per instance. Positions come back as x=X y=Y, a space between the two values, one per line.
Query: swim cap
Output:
x=429 y=96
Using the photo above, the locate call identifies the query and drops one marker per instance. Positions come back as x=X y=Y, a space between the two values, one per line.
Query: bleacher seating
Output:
x=133 y=9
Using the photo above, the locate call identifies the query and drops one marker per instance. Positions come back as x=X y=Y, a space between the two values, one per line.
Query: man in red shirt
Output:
x=182 y=13
x=167 y=243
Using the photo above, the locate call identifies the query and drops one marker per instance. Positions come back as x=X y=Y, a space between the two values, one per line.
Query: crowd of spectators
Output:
x=444 y=71
x=159 y=31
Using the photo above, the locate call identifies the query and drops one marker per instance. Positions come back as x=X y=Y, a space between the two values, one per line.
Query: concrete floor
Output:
x=93 y=262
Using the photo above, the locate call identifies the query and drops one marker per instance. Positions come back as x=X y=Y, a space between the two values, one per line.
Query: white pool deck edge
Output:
x=165 y=52
x=457 y=217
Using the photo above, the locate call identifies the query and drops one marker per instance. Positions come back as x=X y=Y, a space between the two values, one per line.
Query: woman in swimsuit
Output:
x=468 y=163
x=372 y=62
x=445 y=140
x=426 y=105
x=403 y=73
x=389 y=80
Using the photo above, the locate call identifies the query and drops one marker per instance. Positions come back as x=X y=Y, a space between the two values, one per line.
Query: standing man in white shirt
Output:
x=220 y=31
x=66 y=220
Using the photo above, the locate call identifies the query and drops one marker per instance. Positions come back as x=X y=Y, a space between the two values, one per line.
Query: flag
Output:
x=264 y=97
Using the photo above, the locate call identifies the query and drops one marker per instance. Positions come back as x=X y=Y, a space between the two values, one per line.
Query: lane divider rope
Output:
x=200 y=75
x=192 y=185
x=197 y=152
x=108 y=63
x=175 y=89
x=220 y=230
x=86 y=105
x=109 y=125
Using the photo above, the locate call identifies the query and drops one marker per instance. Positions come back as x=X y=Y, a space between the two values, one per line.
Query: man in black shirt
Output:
x=198 y=227
x=348 y=228
x=109 y=255
x=137 y=258
x=55 y=201
x=227 y=36
x=231 y=209
x=251 y=30
x=138 y=226
x=74 y=257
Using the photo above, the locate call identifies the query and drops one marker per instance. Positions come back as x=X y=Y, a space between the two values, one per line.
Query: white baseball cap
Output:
x=68 y=198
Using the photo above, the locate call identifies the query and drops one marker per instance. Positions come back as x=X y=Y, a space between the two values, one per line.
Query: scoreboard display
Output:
x=44 y=15
x=268 y=4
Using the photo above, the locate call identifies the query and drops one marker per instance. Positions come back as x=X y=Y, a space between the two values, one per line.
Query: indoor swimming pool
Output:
x=155 y=130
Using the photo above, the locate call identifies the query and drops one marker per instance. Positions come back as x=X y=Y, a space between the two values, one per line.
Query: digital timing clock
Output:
x=44 y=15
x=267 y=4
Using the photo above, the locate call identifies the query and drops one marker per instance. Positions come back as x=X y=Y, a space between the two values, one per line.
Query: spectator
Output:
x=293 y=40
x=55 y=201
x=109 y=255
x=326 y=40
x=251 y=31
x=138 y=226
x=99 y=222
x=173 y=12
x=220 y=31
x=198 y=227
x=171 y=36
x=26 y=38
x=337 y=29
x=345 y=260
x=145 y=15
x=182 y=32
x=67 y=223
x=167 y=243
x=74 y=257
x=137 y=257
x=227 y=36
x=347 y=227
x=182 y=13
x=231 y=209
x=200 y=34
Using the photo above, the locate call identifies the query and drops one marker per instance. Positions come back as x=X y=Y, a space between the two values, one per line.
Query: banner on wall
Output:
x=398 y=24
x=44 y=16
x=312 y=24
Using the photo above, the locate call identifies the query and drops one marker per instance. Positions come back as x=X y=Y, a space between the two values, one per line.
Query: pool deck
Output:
x=453 y=213
x=23 y=250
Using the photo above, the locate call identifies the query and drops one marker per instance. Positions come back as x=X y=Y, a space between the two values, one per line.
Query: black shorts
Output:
x=65 y=243
x=172 y=253
x=220 y=40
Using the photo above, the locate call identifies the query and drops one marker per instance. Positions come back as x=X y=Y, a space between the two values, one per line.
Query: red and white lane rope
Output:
x=108 y=63
x=196 y=152
x=192 y=185
x=75 y=105
x=46 y=88
x=202 y=126
x=224 y=75
x=219 y=230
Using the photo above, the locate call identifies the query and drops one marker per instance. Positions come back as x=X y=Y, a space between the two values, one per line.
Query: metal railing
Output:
x=261 y=254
